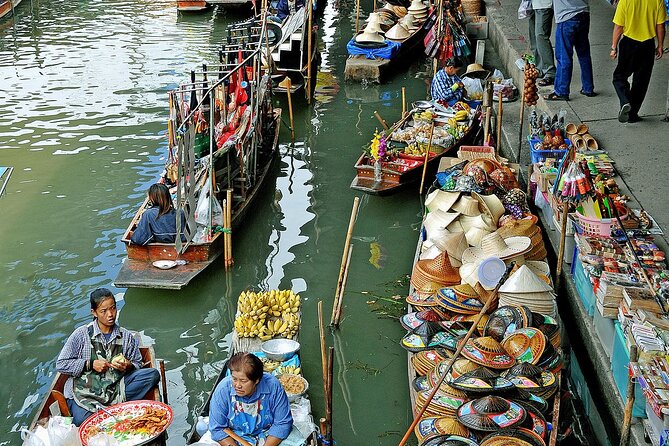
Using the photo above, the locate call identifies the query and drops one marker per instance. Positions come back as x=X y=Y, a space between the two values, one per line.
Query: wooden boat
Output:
x=359 y=68
x=242 y=164
x=7 y=7
x=240 y=344
x=55 y=404
x=397 y=174
x=192 y=5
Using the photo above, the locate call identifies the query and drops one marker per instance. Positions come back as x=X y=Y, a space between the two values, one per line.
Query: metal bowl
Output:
x=280 y=349
x=165 y=264
x=294 y=396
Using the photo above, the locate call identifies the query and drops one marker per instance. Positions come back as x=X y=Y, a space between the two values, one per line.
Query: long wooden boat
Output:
x=138 y=270
x=251 y=345
x=192 y=5
x=396 y=175
x=359 y=68
x=7 y=7
x=54 y=403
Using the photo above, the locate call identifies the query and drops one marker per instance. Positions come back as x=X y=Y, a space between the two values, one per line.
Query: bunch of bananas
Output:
x=415 y=149
x=269 y=365
x=292 y=369
x=267 y=314
x=461 y=115
x=426 y=115
x=461 y=106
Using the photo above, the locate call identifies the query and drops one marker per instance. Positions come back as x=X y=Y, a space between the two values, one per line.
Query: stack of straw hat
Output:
x=524 y=287
x=372 y=32
x=526 y=228
x=430 y=275
x=418 y=10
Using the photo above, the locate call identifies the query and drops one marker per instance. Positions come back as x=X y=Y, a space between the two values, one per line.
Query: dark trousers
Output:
x=137 y=384
x=634 y=59
x=572 y=35
x=540 y=25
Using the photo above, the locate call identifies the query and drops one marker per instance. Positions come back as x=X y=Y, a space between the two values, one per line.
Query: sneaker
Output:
x=624 y=113
x=591 y=94
x=634 y=118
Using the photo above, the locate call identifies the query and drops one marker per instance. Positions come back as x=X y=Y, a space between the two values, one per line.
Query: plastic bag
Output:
x=102 y=439
x=38 y=438
x=474 y=88
x=524 y=9
x=62 y=432
x=202 y=208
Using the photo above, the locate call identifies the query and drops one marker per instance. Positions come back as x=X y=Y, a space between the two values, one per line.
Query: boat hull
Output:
x=7 y=7
x=192 y=5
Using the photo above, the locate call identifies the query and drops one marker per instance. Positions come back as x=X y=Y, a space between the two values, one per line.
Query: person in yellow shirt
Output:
x=639 y=22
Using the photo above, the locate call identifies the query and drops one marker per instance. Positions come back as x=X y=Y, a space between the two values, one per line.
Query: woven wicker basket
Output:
x=471 y=7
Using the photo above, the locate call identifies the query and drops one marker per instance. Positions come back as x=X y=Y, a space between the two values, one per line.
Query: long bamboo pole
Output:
x=321 y=334
x=328 y=408
x=289 y=84
x=357 y=16
x=563 y=237
x=427 y=155
x=461 y=345
x=226 y=225
x=383 y=123
x=309 y=47
x=404 y=101
x=520 y=124
x=343 y=287
x=629 y=404
x=556 y=412
x=229 y=212
x=347 y=245
x=163 y=379
x=498 y=147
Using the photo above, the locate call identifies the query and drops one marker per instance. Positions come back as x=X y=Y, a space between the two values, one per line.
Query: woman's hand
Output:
x=227 y=442
x=121 y=365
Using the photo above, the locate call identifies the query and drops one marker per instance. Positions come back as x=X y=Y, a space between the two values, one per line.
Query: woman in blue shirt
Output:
x=158 y=223
x=251 y=403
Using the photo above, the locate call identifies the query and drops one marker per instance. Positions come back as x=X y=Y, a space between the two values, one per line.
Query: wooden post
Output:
x=629 y=404
x=520 y=125
x=486 y=126
x=343 y=287
x=230 y=260
x=357 y=16
x=347 y=245
x=290 y=108
x=309 y=49
x=498 y=147
x=563 y=236
x=163 y=380
x=404 y=101
x=324 y=359
x=530 y=169
x=451 y=361
x=328 y=408
x=427 y=154
x=383 y=123
x=226 y=225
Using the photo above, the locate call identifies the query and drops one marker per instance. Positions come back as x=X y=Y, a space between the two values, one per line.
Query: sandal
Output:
x=555 y=97
x=545 y=82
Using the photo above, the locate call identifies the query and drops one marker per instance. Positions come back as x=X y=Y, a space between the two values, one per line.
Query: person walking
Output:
x=639 y=22
x=573 y=25
x=540 y=26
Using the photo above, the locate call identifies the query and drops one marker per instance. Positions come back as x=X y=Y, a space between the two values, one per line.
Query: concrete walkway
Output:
x=641 y=152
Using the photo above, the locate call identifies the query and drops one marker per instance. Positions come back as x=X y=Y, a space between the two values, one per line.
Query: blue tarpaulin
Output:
x=385 y=52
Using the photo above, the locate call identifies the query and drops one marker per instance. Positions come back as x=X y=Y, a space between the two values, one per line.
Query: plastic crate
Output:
x=620 y=360
x=538 y=155
x=477 y=27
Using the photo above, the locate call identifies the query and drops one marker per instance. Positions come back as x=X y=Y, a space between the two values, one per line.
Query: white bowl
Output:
x=280 y=349
x=294 y=396
x=164 y=264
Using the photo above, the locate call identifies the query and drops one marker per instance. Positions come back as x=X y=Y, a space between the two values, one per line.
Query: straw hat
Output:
x=475 y=235
x=490 y=205
x=429 y=427
x=430 y=252
x=482 y=380
x=467 y=206
x=504 y=320
x=537 y=302
x=374 y=23
x=493 y=245
x=369 y=37
x=469 y=274
x=487 y=352
x=524 y=281
x=490 y=414
x=431 y=275
x=417 y=6
x=479 y=221
x=438 y=220
x=460 y=299
x=398 y=33
x=476 y=70
x=409 y=22
x=525 y=344
x=442 y=200
x=515 y=228
x=399 y=11
x=455 y=243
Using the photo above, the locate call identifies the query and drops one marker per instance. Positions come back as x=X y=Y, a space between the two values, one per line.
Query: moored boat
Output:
x=400 y=166
x=192 y=5
x=7 y=7
x=223 y=136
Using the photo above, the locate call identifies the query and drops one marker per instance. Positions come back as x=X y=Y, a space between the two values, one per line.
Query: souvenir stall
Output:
x=619 y=272
x=504 y=371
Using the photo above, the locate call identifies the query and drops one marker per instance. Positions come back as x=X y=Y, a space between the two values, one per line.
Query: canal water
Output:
x=83 y=112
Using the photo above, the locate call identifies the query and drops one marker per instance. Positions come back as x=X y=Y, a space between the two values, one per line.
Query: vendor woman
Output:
x=103 y=362
x=447 y=85
x=158 y=223
x=251 y=403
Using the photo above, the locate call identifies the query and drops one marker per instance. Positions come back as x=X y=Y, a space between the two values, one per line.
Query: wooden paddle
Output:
x=461 y=345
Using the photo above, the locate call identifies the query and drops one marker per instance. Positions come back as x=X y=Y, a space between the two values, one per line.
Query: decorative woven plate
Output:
x=450 y=298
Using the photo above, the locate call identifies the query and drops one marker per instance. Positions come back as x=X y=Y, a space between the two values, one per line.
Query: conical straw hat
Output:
x=479 y=221
x=516 y=228
x=373 y=25
x=454 y=243
x=369 y=37
x=398 y=33
x=493 y=245
x=438 y=270
x=475 y=235
x=490 y=205
x=468 y=206
x=524 y=281
x=409 y=21
x=417 y=6
x=442 y=200
x=438 y=220
x=431 y=252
